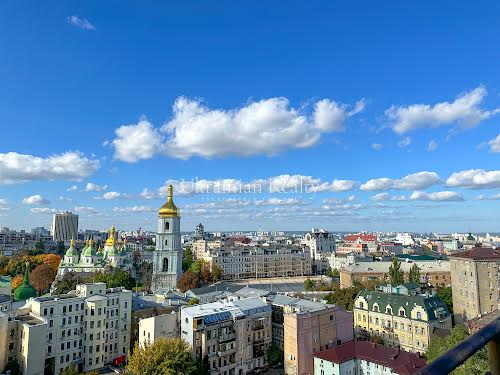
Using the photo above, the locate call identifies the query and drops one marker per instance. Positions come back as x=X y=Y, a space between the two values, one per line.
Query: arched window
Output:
x=166 y=242
x=165 y=265
x=167 y=225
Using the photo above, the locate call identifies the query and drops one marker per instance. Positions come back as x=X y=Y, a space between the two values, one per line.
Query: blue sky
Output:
x=387 y=112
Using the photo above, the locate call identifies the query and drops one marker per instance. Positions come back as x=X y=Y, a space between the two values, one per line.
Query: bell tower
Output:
x=167 y=258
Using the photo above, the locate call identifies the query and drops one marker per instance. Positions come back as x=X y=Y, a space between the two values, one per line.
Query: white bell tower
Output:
x=167 y=258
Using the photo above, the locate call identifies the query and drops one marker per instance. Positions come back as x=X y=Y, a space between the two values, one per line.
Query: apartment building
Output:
x=362 y=357
x=432 y=272
x=155 y=327
x=64 y=226
x=403 y=318
x=244 y=262
x=201 y=246
x=475 y=282
x=88 y=328
x=309 y=329
x=233 y=336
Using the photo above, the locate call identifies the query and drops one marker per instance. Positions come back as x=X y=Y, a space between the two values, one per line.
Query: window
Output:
x=165 y=264
x=419 y=315
x=167 y=226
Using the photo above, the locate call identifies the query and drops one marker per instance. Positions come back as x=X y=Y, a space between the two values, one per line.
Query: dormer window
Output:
x=388 y=310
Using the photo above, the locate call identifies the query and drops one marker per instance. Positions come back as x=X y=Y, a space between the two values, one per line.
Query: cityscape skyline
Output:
x=372 y=124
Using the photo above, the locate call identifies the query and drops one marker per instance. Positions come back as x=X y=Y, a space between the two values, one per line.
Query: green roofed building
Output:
x=401 y=316
x=25 y=290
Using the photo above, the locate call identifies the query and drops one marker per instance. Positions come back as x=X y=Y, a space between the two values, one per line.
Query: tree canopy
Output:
x=475 y=365
x=396 y=275
x=199 y=273
x=163 y=357
x=414 y=275
x=41 y=278
x=446 y=295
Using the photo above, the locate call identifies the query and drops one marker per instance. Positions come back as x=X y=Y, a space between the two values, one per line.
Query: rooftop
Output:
x=383 y=266
x=479 y=253
x=400 y=362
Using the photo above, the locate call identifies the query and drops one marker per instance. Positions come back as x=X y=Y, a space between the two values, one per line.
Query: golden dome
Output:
x=169 y=209
x=111 y=238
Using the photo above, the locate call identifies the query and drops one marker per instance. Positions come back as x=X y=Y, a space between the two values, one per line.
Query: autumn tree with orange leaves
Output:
x=41 y=278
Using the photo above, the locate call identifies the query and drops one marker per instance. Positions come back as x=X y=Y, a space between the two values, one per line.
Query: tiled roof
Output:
x=399 y=361
x=479 y=253
x=396 y=301
x=361 y=236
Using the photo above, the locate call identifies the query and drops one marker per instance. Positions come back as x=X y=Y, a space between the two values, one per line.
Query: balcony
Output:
x=487 y=336
x=226 y=337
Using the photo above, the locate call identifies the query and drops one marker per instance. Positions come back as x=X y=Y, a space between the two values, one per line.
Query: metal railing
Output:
x=488 y=335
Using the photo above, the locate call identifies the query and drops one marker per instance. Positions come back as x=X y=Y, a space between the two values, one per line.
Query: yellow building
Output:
x=400 y=316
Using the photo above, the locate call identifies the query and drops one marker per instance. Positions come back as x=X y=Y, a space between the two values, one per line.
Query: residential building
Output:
x=309 y=330
x=64 y=226
x=402 y=317
x=321 y=245
x=155 y=327
x=362 y=357
x=88 y=328
x=433 y=272
x=167 y=258
x=233 y=336
x=475 y=282
x=274 y=260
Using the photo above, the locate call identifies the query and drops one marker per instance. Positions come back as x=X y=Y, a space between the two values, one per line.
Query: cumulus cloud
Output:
x=377 y=146
x=94 y=187
x=474 y=179
x=280 y=202
x=432 y=146
x=343 y=185
x=493 y=197
x=495 y=144
x=415 y=181
x=133 y=209
x=111 y=195
x=439 y=196
x=387 y=197
x=43 y=210
x=80 y=22
x=405 y=142
x=4 y=205
x=86 y=210
x=264 y=127
x=465 y=111
x=72 y=165
x=35 y=200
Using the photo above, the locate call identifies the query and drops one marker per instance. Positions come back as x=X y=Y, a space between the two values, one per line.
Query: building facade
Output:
x=475 y=282
x=155 y=327
x=167 y=258
x=87 y=328
x=247 y=262
x=64 y=226
x=403 y=320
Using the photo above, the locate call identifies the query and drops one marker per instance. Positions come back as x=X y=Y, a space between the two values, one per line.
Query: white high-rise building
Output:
x=167 y=258
x=64 y=226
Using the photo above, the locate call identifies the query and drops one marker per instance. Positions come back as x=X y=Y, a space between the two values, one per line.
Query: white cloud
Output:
x=43 y=210
x=495 y=144
x=439 y=196
x=279 y=202
x=133 y=209
x=415 y=181
x=265 y=127
x=488 y=197
x=465 y=111
x=86 y=210
x=474 y=179
x=72 y=188
x=405 y=142
x=35 y=200
x=387 y=197
x=432 y=146
x=377 y=146
x=137 y=142
x=4 y=205
x=111 y=195
x=65 y=199
x=350 y=198
x=343 y=185
x=72 y=165
x=80 y=22
x=94 y=187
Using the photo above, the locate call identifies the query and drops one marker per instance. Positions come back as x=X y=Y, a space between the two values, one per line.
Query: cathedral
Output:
x=167 y=258
x=91 y=259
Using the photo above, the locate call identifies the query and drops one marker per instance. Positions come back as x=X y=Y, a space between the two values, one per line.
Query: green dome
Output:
x=110 y=250
x=25 y=290
x=71 y=252
x=89 y=251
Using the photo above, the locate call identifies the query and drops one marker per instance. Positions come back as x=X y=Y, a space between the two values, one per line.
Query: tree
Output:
x=67 y=283
x=117 y=277
x=188 y=280
x=396 y=275
x=274 y=355
x=41 y=278
x=216 y=272
x=163 y=356
x=309 y=285
x=446 y=295
x=40 y=246
x=51 y=260
x=16 y=281
x=414 y=275
x=73 y=370
x=136 y=259
x=187 y=259
x=146 y=270
x=60 y=248
x=344 y=297
x=475 y=365
x=14 y=367
x=330 y=272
